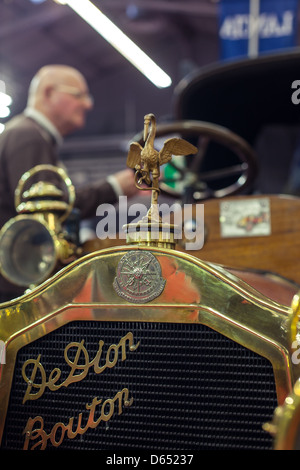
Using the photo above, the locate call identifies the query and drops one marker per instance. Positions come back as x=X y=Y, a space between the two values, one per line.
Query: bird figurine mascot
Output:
x=147 y=160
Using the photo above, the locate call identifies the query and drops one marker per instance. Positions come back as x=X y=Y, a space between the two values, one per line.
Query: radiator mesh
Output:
x=192 y=389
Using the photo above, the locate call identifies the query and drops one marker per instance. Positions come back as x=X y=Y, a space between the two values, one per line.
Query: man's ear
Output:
x=48 y=90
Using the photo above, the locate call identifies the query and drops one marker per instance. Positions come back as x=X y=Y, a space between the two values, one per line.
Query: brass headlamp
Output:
x=34 y=243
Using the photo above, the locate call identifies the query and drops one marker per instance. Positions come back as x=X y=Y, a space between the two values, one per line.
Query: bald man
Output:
x=58 y=101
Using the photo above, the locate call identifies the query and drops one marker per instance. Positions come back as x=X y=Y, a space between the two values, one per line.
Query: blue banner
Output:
x=273 y=26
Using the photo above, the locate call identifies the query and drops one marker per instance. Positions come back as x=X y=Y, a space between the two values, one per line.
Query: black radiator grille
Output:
x=192 y=388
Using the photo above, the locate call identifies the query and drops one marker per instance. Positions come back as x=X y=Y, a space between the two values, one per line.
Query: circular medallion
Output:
x=139 y=277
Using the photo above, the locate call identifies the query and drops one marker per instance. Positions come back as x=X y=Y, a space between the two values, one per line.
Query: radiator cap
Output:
x=146 y=161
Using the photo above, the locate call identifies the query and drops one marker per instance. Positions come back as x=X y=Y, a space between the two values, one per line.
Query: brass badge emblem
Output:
x=139 y=277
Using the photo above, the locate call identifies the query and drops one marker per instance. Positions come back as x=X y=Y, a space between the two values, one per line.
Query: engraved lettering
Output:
x=91 y=422
x=36 y=436
x=37 y=367
x=53 y=440
x=74 y=364
x=112 y=363
x=35 y=376
x=32 y=433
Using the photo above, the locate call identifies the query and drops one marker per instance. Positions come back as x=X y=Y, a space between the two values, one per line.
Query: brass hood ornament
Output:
x=151 y=231
x=34 y=243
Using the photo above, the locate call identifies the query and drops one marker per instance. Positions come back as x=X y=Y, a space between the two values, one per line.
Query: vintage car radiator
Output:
x=191 y=359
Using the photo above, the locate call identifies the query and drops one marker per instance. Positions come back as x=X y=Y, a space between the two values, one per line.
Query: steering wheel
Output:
x=203 y=176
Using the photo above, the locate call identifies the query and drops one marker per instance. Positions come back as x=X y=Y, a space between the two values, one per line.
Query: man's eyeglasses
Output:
x=80 y=95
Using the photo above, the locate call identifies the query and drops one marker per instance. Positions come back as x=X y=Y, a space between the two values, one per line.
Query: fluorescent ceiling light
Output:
x=4 y=111
x=97 y=20
x=5 y=100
